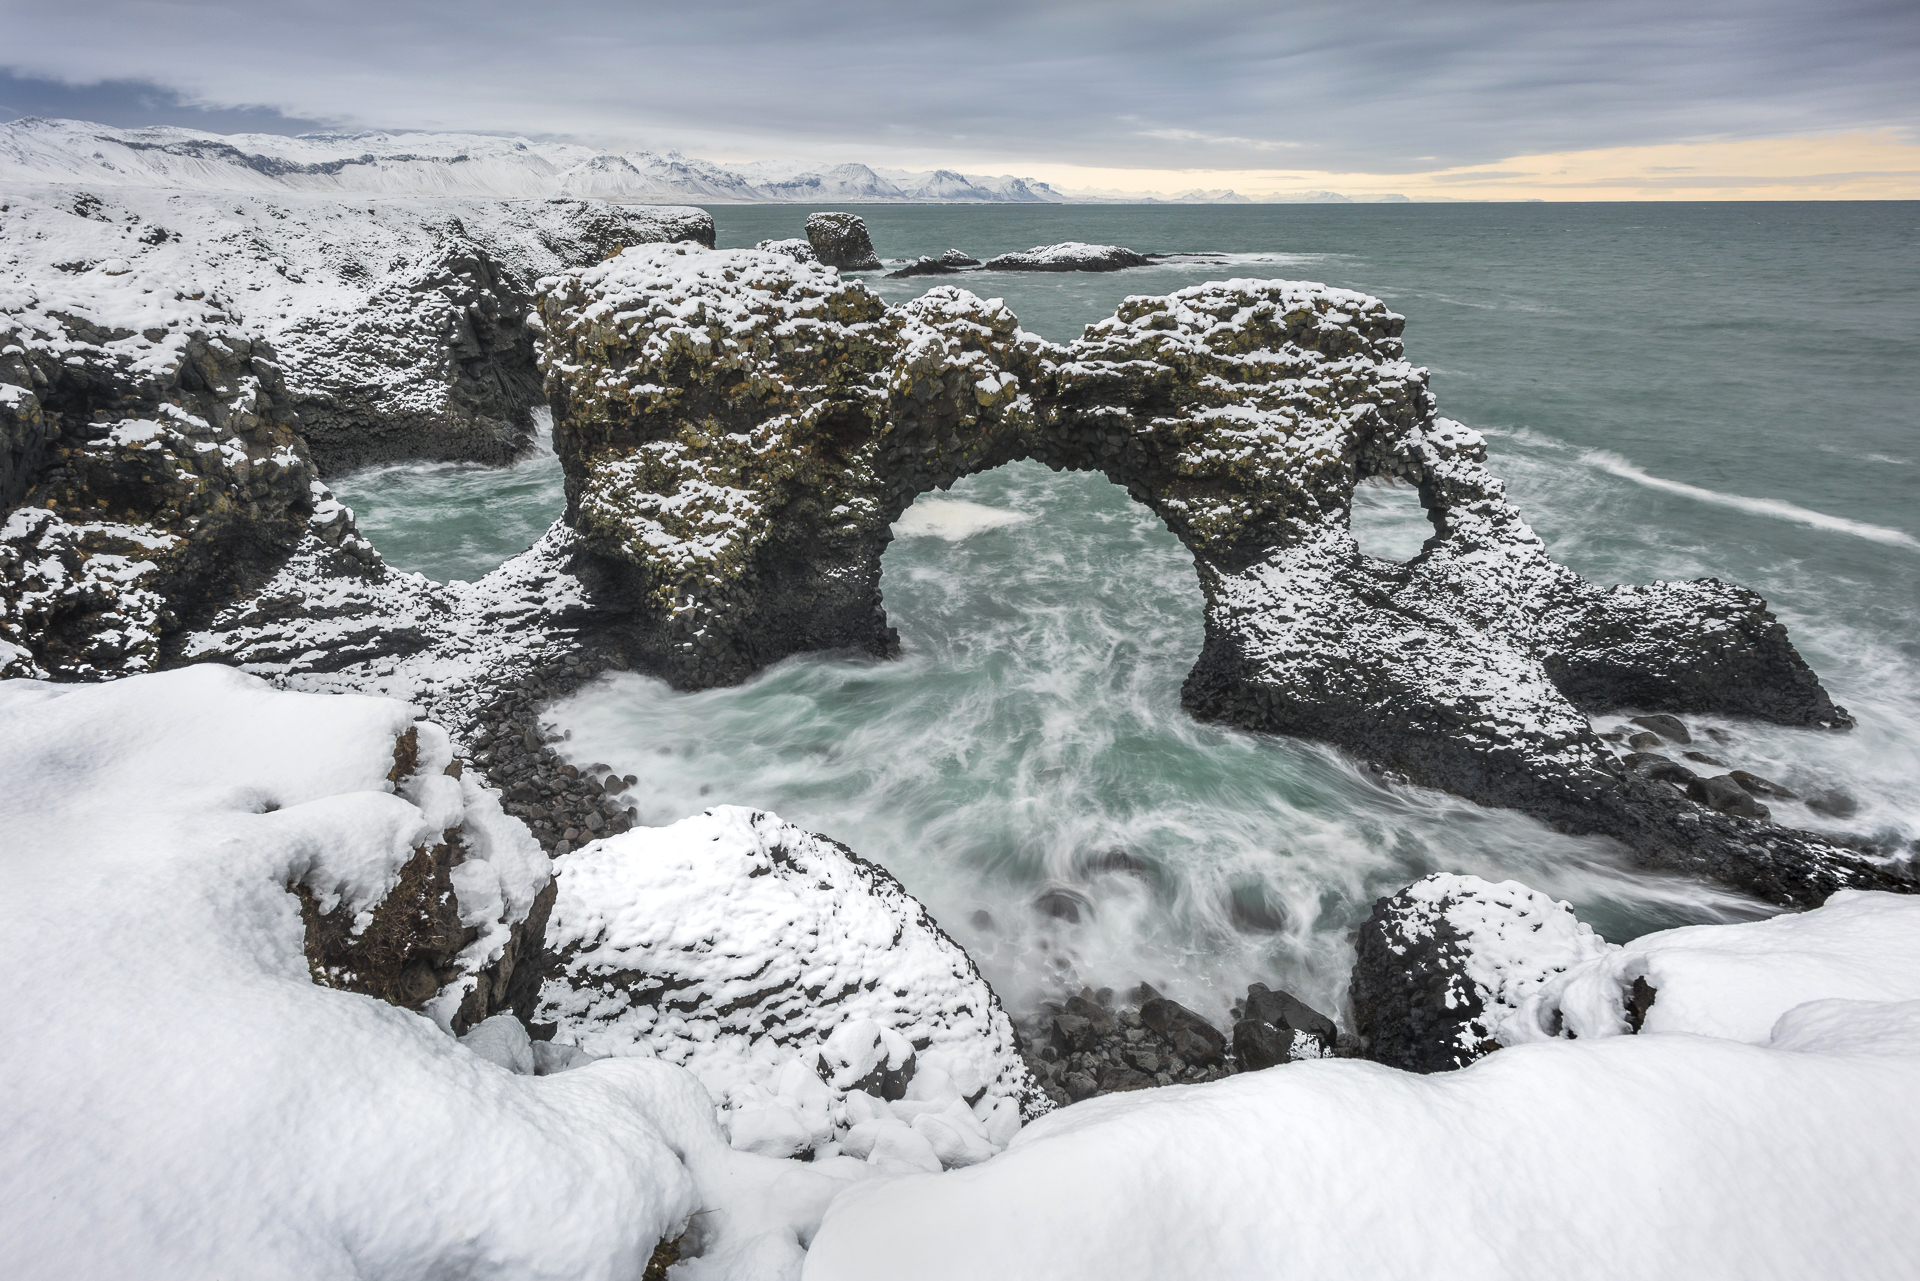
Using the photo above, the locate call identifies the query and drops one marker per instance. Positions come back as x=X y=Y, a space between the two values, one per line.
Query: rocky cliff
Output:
x=400 y=325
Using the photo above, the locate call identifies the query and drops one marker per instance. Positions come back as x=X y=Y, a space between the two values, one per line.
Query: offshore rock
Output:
x=739 y=431
x=1069 y=256
x=840 y=240
x=924 y=267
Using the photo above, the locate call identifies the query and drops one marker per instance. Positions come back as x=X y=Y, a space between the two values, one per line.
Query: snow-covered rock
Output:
x=400 y=325
x=151 y=447
x=794 y=248
x=840 y=240
x=1070 y=255
x=801 y=984
x=1732 y=981
x=183 y=1100
x=1445 y=964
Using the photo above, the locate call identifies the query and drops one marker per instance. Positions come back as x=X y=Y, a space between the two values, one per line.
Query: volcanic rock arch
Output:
x=739 y=430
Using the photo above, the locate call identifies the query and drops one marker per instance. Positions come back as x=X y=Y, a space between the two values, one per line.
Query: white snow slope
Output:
x=182 y=1100
x=459 y=164
x=1677 y=1153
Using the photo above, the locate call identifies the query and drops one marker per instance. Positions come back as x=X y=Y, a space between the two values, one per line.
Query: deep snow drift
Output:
x=1683 y=1152
x=183 y=1100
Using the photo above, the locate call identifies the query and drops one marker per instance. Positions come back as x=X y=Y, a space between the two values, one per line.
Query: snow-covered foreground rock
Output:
x=814 y=998
x=1764 y=1126
x=1445 y=964
x=183 y=1099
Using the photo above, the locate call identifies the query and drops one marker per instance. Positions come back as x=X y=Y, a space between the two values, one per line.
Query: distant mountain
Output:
x=460 y=164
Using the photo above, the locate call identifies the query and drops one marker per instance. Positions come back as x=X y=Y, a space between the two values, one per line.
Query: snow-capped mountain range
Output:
x=35 y=149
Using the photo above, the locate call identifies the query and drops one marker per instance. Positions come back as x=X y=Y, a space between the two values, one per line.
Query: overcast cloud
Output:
x=1229 y=84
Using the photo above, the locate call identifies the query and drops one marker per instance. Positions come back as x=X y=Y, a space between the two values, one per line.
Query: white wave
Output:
x=953 y=519
x=1618 y=466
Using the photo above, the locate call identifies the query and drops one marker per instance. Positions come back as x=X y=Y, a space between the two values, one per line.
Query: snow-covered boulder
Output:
x=1674 y=1157
x=183 y=1099
x=794 y=248
x=1447 y=962
x=840 y=240
x=815 y=999
x=1071 y=255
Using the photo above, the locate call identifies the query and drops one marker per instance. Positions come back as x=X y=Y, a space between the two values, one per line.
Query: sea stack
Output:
x=840 y=240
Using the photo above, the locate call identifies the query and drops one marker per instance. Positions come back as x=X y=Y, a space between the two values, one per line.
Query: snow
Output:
x=184 y=1101
x=457 y=164
x=1516 y=940
x=1738 y=981
x=953 y=519
x=341 y=289
x=1671 y=1154
x=790 y=977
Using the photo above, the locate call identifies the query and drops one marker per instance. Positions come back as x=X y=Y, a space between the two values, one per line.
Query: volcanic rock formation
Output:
x=1069 y=256
x=171 y=367
x=840 y=240
x=740 y=430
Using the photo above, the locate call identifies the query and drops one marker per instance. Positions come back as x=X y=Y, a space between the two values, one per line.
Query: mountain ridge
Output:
x=39 y=149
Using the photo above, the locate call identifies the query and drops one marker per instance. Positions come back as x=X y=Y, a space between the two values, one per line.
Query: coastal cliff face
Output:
x=400 y=326
x=176 y=373
x=740 y=430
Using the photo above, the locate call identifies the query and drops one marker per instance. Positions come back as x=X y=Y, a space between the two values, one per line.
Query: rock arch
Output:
x=739 y=430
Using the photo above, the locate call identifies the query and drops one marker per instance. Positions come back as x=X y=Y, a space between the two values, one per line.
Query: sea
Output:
x=1671 y=391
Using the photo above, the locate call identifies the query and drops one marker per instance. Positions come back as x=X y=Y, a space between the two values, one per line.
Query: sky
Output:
x=1504 y=99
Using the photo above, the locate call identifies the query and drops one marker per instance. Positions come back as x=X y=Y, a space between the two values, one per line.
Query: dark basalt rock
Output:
x=1413 y=1004
x=1288 y=1013
x=457 y=324
x=840 y=240
x=733 y=470
x=1671 y=728
x=150 y=490
x=1191 y=1036
x=1071 y=256
x=924 y=267
x=1760 y=786
x=1085 y=1047
x=1723 y=792
x=1260 y=1045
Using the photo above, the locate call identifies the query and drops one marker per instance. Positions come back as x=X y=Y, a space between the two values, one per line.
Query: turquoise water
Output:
x=1671 y=391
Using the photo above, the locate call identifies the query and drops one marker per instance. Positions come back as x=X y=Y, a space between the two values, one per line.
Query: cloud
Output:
x=134 y=104
x=1382 y=86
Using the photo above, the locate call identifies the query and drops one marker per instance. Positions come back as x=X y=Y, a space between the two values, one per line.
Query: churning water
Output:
x=1671 y=391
